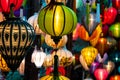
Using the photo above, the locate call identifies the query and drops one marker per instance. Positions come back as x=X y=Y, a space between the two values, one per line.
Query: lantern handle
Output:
x=11 y=10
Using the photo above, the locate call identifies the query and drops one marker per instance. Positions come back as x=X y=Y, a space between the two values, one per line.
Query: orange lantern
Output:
x=115 y=77
x=101 y=45
x=89 y=54
x=83 y=34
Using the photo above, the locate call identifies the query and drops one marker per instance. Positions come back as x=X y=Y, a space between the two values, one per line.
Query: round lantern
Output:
x=57 y=19
x=16 y=36
x=50 y=42
x=50 y=77
x=33 y=21
x=5 y=5
x=89 y=54
x=115 y=77
x=101 y=74
x=114 y=30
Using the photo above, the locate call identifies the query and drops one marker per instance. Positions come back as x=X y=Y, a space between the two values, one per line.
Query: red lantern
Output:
x=109 y=15
x=101 y=74
x=116 y=4
x=5 y=5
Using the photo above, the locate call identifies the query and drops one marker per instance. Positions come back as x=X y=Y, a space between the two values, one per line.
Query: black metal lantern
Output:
x=16 y=36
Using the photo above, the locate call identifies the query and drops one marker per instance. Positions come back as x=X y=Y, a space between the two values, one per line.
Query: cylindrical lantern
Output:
x=56 y=19
x=89 y=54
x=16 y=36
x=5 y=5
x=101 y=74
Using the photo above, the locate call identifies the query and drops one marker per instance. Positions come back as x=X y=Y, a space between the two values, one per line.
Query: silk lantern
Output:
x=101 y=74
x=89 y=54
x=16 y=36
x=101 y=45
x=50 y=42
x=115 y=77
x=33 y=21
x=38 y=57
x=109 y=15
x=56 y=19
x=114 y=30
x=5 y=5
x=116 y=4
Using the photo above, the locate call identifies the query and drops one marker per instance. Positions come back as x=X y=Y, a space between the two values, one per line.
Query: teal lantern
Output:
x=16 y=36
x=57 y=19
x=114 y=30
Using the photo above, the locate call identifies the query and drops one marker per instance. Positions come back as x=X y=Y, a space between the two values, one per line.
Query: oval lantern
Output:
x=5 y=5
x=57 y=19
x=16 y=36
x=115 y=77
x=50 y=42
x=101 y=45
x=89 y=54
x=114 y=30
x=101 y=74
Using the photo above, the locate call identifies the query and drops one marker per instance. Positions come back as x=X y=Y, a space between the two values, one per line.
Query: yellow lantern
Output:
x=89 y=54
x=3 y=65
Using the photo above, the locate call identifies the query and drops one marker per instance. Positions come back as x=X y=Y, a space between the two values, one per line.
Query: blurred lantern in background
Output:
x=2 y=18
x=89 y=54
x=21 y=67
x=116 y=4
x=50 y=42
x=101 y=74
x=5 y=5
x=109 y=66
x=49 y=61
x=105 y=29
x=94 y=66
x=115 y=77
x=114 y=30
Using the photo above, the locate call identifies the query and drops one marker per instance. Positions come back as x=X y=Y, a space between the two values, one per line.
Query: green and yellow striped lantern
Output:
x=57 y=19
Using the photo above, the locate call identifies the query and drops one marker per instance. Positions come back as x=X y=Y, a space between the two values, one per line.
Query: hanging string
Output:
x=87 y=12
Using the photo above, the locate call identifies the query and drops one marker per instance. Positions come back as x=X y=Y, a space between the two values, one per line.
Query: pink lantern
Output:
x=101 y=74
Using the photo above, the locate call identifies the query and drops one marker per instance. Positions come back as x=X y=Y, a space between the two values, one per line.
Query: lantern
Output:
x=50 y=42
x=89 y=54
x=16 y=36
x=101 y=45
x=115 y=77
x=38 y=57
x=3 y=65
x=48 y=61
x=56 y=19
x=114 y=30
x=101 y=74
x=5 y=5
x=50 y=77
x=116 y=4
x=109 y=66
x=2 y=18
x=33 y=21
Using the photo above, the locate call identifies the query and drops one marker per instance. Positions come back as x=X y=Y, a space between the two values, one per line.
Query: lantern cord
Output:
x=11 y=10
x=87 y=12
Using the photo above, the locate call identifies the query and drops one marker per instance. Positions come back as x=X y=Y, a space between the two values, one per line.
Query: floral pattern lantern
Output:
x=50 y=42
x=5 y=5
x=89 y=54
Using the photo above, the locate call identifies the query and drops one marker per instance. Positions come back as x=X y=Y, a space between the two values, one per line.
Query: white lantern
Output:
x=38 y=57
